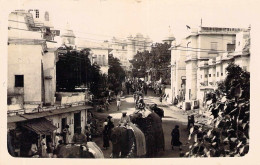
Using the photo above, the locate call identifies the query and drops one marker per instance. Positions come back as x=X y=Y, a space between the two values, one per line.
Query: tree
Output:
x=157 y=61
x=74 y=70
x=116 y=74
x=228 y=134
x=140 y=64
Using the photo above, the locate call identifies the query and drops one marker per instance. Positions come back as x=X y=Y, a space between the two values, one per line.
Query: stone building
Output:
x=206 y=53
x=125 y=49
x=34 y=107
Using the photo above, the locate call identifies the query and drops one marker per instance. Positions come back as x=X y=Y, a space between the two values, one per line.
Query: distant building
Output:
x=99 y=53
x=207 y=52
x=125 y=49
x=68 y=37
x=169 y=39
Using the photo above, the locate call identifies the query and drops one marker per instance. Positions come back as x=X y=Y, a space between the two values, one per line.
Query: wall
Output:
x=191 y=80
x=49 y=68
x=56 y=120
x=205 y=43
x=25 y=60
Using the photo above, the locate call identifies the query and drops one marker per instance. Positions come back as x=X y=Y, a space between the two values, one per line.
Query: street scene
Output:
x=78 y=89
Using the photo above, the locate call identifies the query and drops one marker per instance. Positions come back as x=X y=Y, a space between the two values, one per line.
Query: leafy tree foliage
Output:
x=75 y=70
x=116 y=74
x=228 y=134
x=156 y=61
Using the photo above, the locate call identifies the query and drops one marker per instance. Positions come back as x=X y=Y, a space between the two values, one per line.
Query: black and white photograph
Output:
x=127 y=80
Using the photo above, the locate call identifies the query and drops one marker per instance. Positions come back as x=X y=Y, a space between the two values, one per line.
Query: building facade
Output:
x=99 y=53
x=125 y=49
x=206 y=52
x=34 y=107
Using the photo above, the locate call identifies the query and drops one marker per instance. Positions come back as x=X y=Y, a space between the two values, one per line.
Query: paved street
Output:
x=172 y=117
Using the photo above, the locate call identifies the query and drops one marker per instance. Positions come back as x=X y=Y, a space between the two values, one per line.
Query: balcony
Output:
x=218 y=59
x=203 y=64
x=62 y=100
x=227 y=56
x=212 y=61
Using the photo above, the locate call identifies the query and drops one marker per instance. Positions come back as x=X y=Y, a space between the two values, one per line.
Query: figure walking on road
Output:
x=105 y=136
x=176 y=138
x=118 y=103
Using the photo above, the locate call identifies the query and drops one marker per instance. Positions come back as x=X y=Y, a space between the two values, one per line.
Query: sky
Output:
x=97 y=20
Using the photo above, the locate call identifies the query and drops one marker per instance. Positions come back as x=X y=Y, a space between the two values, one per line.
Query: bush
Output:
x=230 y=107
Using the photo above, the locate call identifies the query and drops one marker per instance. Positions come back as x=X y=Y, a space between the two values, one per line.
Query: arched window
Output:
x=46 y=16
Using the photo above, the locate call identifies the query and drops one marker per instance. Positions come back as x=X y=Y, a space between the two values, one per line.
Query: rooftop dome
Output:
x=170 y=36
x=67 y=32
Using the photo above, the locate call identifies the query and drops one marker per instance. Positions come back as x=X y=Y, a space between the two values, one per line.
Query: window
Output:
x=206 y=76
x=221 y=74
x=230 y=47
x=104 y=58
x=19 y=81
x=37 y=13
x=213 y=75
x=217 y=74
x=214 y=45
x=209 y=75
x=201 y=76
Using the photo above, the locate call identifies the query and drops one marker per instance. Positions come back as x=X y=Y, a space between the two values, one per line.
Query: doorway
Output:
x=63 y=126
x=77 y=121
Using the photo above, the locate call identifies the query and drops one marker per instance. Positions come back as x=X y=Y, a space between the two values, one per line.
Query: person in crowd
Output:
x=105 y=136
x=145 y=88
x=107 y=104
x=79 y=137
x=43 y=146
x=66 y=134
x=134 y=95
x=191 y=121
x=199 y=135
x=56 y=139
x=137 y=97
x=49 y=150
x=158 y=110
x=176 y=138
x=34 y=149
x=110 y=125
x=118 y=103
x=141 y=104
x=124 y=119
x=160 y=91
x=57 y=149
x=160 y=99
x=88 y=132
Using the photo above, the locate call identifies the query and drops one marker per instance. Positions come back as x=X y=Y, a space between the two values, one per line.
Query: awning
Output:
x=25 y=117
x=11 y=126
x=40 y=126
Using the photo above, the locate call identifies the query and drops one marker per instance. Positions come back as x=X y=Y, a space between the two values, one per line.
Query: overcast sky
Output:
x=102 y=19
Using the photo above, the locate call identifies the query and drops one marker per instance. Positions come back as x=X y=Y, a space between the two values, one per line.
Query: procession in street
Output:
x=136 y=96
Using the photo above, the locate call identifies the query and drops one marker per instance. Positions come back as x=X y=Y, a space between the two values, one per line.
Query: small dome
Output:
x=67 y=32
x=139 y=35
x=170 y=36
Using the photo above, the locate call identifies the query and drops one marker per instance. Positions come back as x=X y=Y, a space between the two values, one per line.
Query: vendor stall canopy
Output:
x=40 y=126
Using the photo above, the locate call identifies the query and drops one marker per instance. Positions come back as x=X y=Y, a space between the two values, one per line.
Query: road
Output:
x=173 y=116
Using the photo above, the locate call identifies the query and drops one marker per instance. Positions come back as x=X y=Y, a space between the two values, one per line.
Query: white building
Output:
x=207 y=52
x=125 y=49
x=32 y=103
x=99 y=53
